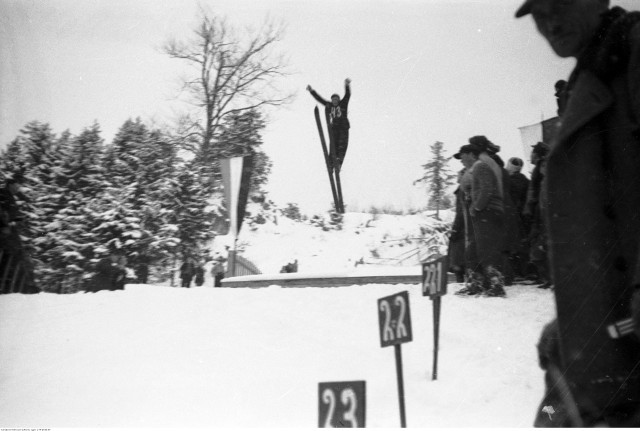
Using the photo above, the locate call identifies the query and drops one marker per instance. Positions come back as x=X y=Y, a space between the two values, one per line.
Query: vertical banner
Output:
x=236 y=178
x=231 y=170
x=530 y=135
x=543 y=131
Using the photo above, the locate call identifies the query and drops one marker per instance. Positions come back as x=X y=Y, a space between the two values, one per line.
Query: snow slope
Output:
x=154 y=356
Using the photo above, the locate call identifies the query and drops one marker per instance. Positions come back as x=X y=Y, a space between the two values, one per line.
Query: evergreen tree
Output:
x=437 y=176
x=62 y=174
x=122 y=160
x=35 y=155
x=241 y=136
x=67 y=245
x=192 y=213
x=142 y=164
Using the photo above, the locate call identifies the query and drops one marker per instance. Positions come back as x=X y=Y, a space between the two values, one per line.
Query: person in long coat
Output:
x=511 y=234
x=537 y=236
x=518 y=186
x=484 y=223
x=592 y=205
x=455 y=251
x=487 y=212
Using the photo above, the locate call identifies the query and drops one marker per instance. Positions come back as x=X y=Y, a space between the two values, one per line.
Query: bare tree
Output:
x=231 y=73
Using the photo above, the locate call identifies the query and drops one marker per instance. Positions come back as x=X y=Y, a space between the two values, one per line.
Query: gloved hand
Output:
x=549 y=345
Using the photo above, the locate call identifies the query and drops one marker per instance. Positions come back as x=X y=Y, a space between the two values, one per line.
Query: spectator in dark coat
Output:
x=468 y=155
x=488 y=216
x=187 y=272
x=120 y=272
x=532 y=211
x=109 y=273
x=339 y=121
x=591 y=197
x=519 y=183
x=518 y=186
x=511 y=233
x=199 y=280
x=486 y=210
x=457 y=236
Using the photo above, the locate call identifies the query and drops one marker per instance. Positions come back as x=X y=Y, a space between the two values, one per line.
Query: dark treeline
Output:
x=144 y=195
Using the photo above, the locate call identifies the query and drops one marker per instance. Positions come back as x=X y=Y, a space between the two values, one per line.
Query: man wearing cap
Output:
x=591 y=206
x=339 y=122
x=485 y=224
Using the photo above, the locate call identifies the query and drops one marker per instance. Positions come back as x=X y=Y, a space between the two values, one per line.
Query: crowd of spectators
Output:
x=497 y=236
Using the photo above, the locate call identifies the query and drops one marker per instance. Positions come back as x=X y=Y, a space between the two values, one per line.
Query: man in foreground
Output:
x=592 y=209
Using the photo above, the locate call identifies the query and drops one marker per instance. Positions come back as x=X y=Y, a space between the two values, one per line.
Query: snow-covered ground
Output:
x=152 y=356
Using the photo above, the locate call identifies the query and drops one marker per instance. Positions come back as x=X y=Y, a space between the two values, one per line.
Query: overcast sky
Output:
x=422 y=71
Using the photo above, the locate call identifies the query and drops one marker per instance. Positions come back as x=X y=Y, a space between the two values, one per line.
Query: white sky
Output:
x=422 y=71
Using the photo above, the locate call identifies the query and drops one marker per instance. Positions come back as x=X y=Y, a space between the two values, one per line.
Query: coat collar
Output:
x=589 y=97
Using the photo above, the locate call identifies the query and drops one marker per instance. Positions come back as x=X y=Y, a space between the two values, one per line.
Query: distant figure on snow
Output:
x=199 y=274
x=290 y=267
x=187 y=271
x=217 y=270
x=109 y=273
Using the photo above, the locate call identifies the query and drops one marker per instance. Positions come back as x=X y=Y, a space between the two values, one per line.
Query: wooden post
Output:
x=403 y=416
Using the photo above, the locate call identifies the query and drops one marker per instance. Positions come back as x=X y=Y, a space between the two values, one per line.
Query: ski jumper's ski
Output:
x=327 y=159
x=336 y=165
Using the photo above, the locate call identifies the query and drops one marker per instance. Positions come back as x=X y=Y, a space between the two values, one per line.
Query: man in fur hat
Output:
x=339 y=122
x=591 y=207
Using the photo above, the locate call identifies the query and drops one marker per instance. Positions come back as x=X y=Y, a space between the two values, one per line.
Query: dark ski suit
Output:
x=339 y=122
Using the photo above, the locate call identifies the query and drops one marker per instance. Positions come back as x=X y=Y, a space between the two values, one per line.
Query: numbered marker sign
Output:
x=394 y=319
x=434 y=277
x=342 y=405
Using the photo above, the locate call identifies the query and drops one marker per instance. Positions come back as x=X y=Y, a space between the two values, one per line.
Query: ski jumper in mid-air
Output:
x=338 y=120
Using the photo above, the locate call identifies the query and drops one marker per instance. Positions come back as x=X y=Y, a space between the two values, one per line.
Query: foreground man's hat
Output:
x=525 y=9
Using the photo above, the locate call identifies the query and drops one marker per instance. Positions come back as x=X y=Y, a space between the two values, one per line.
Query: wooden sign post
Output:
x=395 y=329
x=434 y=285
x=342 y=404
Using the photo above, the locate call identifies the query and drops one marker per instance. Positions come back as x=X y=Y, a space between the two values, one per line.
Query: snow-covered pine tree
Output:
x=192 y=213
x=154 y=198
x=241 y=136
x=35 y=154
x=67 y=242
x=142 y=165
x=437 y=176
x=122 y=160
